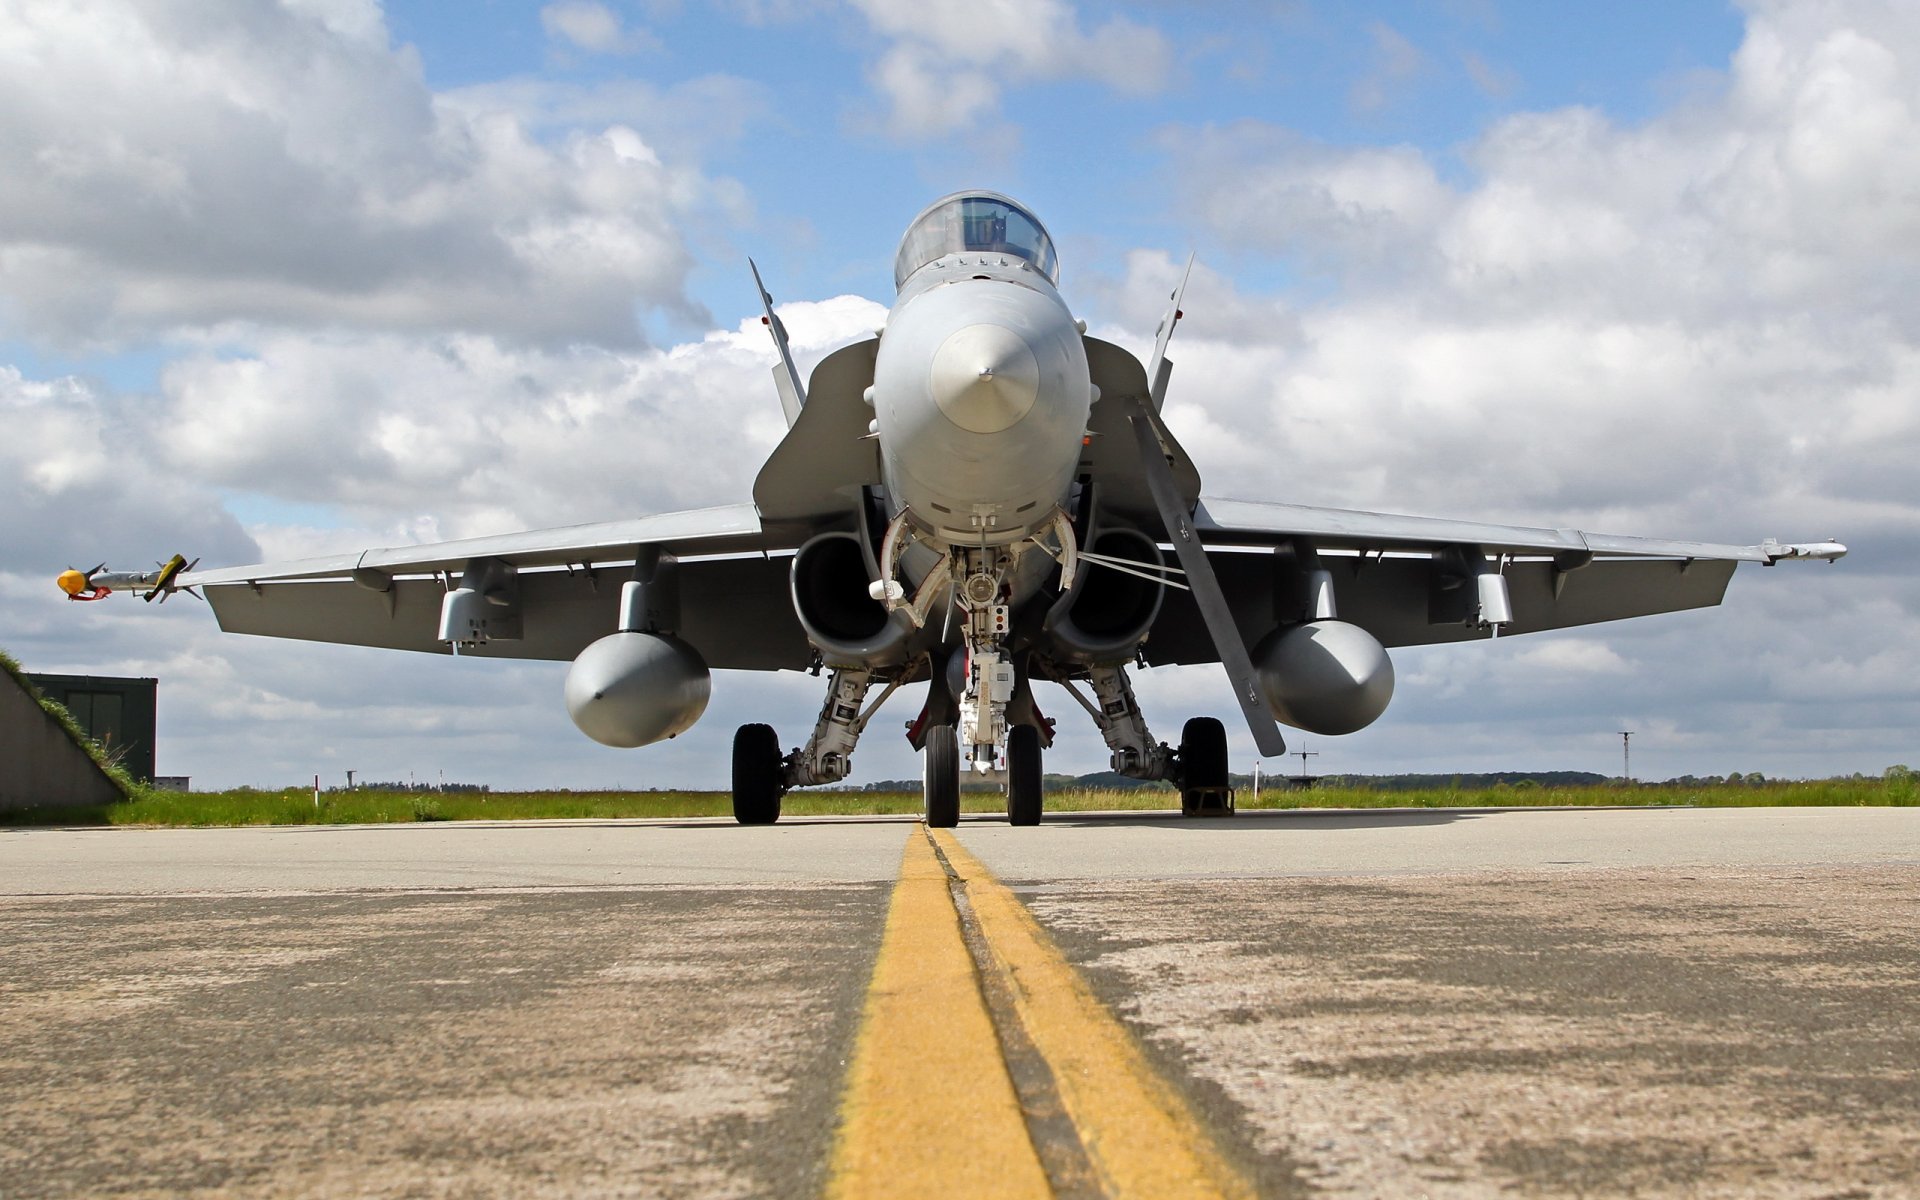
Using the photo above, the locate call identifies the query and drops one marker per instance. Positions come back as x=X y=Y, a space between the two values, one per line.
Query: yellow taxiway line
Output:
x=930 y=1108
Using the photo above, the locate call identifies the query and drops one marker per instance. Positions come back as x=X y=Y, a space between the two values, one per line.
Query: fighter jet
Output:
x=982 y=498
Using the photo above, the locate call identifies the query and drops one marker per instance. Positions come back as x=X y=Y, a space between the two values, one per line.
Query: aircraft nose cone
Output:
x=985 y=378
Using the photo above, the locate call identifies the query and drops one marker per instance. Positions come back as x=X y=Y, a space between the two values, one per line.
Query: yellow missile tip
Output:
x=73 y=582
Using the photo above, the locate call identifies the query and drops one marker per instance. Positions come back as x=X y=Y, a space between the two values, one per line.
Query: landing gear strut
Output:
x=762 y=774
x=1198 y=767
x=1117 y=713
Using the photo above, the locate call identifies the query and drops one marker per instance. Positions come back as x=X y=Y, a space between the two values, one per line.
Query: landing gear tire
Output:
x=942 y=774
x=1025 y=790
x=1203 y=769
x=757 y=782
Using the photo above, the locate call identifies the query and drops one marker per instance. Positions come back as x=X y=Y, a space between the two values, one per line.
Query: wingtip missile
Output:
x=100 y=582
x=1776 y=551
x=78 y=585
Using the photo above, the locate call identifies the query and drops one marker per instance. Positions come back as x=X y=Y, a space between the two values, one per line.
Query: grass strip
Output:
x=295 y=806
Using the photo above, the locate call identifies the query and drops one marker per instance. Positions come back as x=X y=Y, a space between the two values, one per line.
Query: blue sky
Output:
x=1428 y=75
x=281 y=278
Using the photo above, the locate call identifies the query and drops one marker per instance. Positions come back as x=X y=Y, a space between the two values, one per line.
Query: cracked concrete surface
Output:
x=646 y=1041
x=1583 y=1003
x=1671 y=1032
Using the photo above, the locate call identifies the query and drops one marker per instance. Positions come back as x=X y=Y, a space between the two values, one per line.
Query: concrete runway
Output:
x=1547 y=1002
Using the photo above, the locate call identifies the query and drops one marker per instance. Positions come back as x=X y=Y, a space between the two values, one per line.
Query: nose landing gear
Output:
x=941 y=764
x=1025 y=788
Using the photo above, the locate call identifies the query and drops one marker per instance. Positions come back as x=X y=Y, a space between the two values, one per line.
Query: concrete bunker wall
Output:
x=40 y=764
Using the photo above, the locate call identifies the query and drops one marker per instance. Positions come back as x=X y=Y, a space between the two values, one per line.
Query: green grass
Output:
x=1812 y=793
x=295 y=806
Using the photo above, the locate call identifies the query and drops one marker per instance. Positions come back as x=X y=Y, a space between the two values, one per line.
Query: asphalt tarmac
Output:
x=1613 y=1002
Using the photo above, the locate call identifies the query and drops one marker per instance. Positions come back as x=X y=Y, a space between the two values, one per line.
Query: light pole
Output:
x=1626 y=756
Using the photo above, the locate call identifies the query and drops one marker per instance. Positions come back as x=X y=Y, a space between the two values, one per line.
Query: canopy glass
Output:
x=974 y=222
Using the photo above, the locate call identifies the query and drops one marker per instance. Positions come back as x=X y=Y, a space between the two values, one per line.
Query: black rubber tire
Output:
x=941 y=763
x=757 y=782
x=1026 y=790
x=1203 y=761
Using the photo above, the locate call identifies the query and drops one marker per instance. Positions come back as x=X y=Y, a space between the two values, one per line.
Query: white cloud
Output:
x=931 y=97
x=1260 y=186
x=176 y=168
x=1574 y=657
x=486 y=437
x=595 y=27
x=1393 y=67
x=1710 y=313
x=1496 y=82
x=946 y=65
x=78 y=479
x=683 y=121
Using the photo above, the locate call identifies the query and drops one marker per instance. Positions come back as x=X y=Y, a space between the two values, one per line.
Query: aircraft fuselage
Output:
x=981 y=393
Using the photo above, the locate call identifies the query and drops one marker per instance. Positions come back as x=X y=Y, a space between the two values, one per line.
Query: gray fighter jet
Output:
x=981 y=497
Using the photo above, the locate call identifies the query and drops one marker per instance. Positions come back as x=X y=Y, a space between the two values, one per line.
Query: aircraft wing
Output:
x=728 y=529
x=734 y=605
x=1403 y=578
x=1256 y=522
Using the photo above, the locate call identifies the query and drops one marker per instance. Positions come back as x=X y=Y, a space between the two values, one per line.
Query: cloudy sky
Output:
x=285 y=278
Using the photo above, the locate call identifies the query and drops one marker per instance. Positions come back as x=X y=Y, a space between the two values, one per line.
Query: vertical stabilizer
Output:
x=786 y=376
x=1160 y=369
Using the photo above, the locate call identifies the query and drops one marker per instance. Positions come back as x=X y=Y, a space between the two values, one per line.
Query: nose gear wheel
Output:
x=942 y=767
x=1025 y=783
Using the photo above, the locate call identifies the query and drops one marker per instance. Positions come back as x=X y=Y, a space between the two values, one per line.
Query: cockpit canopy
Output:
x=974 y=221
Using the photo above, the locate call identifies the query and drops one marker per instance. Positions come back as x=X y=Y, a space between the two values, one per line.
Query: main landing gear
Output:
x=1198 y=767
x=757 y=768
x=1204 y=790
x=762 y=774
